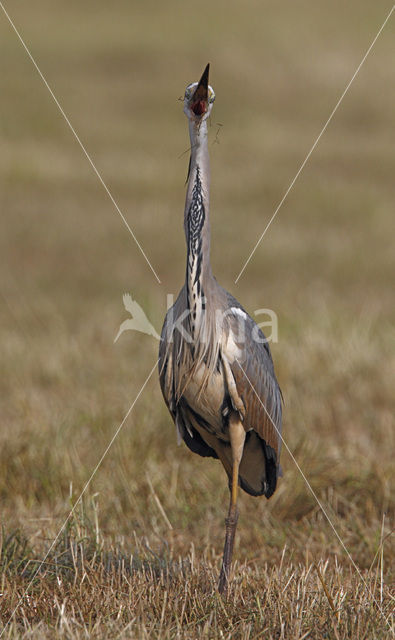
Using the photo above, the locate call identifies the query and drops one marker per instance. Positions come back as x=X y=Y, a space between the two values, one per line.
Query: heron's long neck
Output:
x=196 y=222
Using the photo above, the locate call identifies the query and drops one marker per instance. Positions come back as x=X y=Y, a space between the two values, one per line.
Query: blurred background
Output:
x=325 y=266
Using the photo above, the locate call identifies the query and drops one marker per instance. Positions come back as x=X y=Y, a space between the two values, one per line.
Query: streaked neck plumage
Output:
x=197 y=225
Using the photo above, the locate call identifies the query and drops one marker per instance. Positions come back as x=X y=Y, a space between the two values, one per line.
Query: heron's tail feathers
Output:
x=258 y=470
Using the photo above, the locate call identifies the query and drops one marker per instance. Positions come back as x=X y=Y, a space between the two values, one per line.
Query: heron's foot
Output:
x=230 y=524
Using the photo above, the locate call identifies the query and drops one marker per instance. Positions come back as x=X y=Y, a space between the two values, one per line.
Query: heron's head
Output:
x=199 y=98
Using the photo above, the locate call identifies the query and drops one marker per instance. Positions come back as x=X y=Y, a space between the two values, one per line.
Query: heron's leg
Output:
x=237 y=438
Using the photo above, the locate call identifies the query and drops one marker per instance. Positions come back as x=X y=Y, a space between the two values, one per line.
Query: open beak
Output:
x=199 y=100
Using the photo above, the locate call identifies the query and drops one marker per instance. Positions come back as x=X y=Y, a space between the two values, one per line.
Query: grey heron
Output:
x=215 y=367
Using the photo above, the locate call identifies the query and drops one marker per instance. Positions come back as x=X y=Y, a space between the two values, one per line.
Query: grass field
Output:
x=140 y=555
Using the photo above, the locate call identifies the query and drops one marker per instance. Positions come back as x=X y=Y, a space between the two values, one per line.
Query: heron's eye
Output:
x=212 y=97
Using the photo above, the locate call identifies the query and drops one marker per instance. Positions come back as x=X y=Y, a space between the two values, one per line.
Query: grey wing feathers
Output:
x=165 y=367
x=257 y=385
x=182 y=414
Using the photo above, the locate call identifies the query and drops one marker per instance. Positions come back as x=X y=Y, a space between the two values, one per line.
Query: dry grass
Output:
x=83 y=590
x=141 y=554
